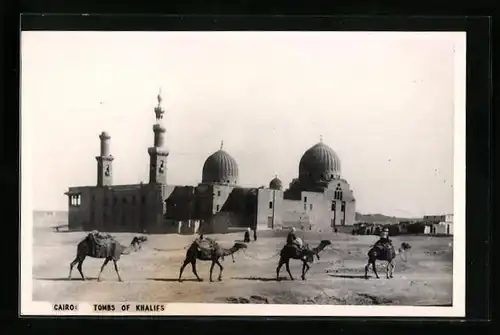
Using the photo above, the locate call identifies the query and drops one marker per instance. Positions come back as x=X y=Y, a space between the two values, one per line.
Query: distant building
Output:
x=442 y=227
x=318 y=199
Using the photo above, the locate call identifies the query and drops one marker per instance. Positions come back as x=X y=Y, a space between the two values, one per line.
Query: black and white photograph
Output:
x=267 y=173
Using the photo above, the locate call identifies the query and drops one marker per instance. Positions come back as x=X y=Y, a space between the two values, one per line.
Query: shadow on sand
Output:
x=350 y=276
x=166 y=250
x=172 y=280
x=67 y=279
x=266 y=279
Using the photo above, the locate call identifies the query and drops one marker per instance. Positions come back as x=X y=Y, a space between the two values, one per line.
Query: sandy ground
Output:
x=150 y=275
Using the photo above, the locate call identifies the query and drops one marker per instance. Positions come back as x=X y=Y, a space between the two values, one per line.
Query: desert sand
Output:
x=423 y=277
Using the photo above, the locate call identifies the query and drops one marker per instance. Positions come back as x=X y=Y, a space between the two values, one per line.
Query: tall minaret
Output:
x=157 y=153
x=104 y=162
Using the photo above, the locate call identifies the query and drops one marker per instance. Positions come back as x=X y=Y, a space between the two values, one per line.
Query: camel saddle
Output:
x=206 y=246
x=102 y=244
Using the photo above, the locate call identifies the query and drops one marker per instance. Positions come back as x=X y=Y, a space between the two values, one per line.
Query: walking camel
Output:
x=384 y=253
x=306 y=255
x=212 y=252
x=108 y=248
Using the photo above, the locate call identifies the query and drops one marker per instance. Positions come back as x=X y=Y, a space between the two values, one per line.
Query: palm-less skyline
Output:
x=383 y=101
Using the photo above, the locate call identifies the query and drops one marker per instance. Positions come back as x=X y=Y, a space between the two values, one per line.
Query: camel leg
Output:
x=366 y=269
x=232 y=255
x=305 y=268
x=287 y=264
x=280 y=264
x=391 y=272
x=211 y=270
x=375 y=270
x=116 y=269
x=193 y=266
x=102 y=268
x=221 y=269
x=186 y=262
x=71 y=265
x=79 y=267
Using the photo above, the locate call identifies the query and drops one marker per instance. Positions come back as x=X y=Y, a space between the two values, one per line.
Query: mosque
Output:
x=319 y=199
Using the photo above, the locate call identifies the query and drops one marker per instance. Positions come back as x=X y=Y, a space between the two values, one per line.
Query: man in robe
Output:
x=246 y=238
x=291 y=239
x=384 y=241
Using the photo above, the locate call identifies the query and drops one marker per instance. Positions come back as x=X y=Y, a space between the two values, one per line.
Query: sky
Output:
x=383 y=101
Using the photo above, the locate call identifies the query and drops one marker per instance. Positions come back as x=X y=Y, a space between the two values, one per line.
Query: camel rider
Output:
x=292 y=239
x=246 y=238
x=198 y=240
x=384 y=240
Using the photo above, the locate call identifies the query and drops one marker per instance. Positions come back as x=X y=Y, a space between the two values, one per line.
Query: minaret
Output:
x=104 y=162
x=157 y=153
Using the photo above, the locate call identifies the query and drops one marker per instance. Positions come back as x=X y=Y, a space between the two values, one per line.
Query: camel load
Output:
x=206 y=246
x=101 y=244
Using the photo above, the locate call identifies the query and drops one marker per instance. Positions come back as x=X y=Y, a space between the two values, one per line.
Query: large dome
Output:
x=318 y=163
x=276 y=184
x=220 y=167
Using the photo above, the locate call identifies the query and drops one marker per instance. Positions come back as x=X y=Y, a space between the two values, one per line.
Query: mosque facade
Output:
x=318 y=199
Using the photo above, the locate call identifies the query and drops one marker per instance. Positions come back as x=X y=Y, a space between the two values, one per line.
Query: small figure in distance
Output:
x=246 y=238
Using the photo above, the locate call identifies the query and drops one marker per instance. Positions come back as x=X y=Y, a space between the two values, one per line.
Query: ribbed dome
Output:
x=276 y=184
x=220 y=167
x=318 y=163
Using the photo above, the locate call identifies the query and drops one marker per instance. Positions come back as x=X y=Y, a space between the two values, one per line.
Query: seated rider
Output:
x=198 y=240
x=384 y=240
x=291 y=239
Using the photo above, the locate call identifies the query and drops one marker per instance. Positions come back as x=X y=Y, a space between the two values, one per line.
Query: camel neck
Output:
x=320 y=247
x=230 y=251
x=126 y=250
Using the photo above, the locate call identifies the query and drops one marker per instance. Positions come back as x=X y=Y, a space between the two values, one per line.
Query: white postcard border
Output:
x=30 y=307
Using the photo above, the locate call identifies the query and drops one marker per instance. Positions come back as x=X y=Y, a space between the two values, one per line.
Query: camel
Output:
x=306 y=255
x=111 y=250
x=383 y=254
x=212 y=253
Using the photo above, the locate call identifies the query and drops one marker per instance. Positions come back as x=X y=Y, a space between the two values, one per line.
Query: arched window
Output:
x=270 y=205
x=338 y=193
